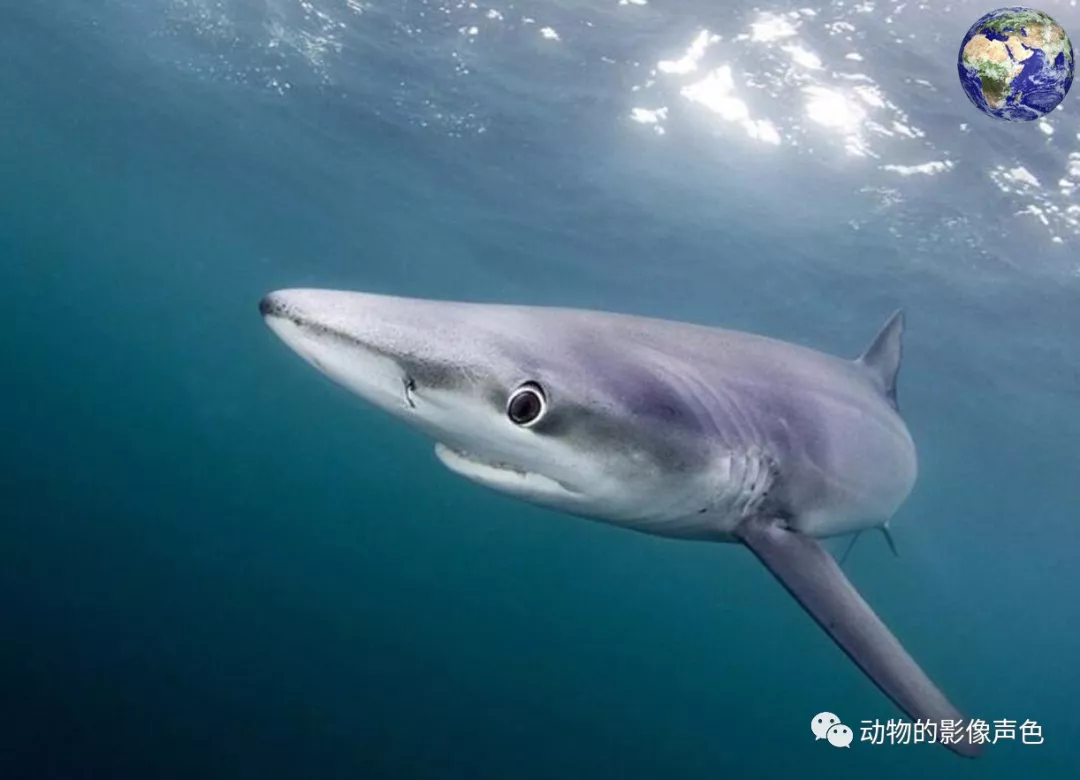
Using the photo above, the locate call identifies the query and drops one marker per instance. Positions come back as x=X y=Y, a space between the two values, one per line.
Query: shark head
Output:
x=527 y=401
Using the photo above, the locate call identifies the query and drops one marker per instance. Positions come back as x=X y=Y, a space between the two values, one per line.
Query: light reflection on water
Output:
x=823 y=83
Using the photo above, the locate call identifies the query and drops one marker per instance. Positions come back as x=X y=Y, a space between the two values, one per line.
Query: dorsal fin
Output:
x=882 y=357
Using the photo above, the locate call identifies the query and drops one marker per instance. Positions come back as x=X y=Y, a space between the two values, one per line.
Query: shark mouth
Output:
x=499 y=475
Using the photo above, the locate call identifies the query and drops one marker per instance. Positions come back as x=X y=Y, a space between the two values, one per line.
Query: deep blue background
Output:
x=214 y=563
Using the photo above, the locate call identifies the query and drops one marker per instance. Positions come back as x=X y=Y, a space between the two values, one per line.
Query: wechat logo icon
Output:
x=827 y=726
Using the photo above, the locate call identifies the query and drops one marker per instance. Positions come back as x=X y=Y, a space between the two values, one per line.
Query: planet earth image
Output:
x=1016 y=64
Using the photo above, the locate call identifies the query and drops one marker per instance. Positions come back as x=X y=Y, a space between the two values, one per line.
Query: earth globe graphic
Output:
x=1016 y=64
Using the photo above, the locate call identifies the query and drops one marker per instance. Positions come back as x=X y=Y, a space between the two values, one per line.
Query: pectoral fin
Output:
x=813 y=577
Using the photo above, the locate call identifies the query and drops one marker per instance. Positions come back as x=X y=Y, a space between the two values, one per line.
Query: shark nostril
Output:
x=409 y=385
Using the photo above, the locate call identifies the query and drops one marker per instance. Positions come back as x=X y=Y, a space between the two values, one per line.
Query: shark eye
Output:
x=526 y=405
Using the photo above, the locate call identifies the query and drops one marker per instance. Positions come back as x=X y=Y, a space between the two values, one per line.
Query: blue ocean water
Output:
x=215 y=563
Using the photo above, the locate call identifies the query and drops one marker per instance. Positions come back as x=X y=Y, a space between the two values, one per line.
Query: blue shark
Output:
x=667 y=428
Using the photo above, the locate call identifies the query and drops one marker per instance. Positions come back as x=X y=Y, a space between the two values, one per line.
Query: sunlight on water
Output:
x=850 y=106
x=770 y=28
x=688 y=63
x=716 y=93
x=832 y=109
x=851 y=114
x=929 y=168
x=799 y=80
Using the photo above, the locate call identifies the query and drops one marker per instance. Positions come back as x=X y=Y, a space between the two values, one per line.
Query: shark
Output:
x=673 y=429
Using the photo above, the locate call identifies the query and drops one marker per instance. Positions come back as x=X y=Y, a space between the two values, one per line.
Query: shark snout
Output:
x=360 y=341
x=374 y=322
x=294 y=307
x=315 y=308
x=379 y=321
x=272 y=305
x=402 y=354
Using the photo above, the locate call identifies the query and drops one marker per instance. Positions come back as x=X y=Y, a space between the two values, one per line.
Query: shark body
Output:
x=667 y=428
